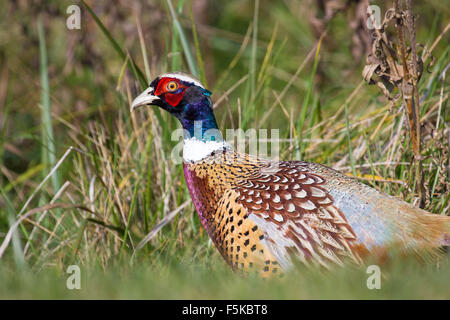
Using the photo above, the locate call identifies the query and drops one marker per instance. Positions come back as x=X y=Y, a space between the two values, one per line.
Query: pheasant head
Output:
x=182 y=96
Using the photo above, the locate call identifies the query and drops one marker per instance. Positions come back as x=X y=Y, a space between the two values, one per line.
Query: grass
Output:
x=181 y=280
x=116 y=181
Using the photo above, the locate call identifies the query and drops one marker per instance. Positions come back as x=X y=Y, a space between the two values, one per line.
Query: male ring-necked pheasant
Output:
x=263 y=215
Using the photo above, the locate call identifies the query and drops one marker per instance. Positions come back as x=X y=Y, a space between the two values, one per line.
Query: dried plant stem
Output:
x=410 y=92
x=415 y=79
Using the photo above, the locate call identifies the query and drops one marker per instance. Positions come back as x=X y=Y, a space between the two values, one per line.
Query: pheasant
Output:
x=265 y=216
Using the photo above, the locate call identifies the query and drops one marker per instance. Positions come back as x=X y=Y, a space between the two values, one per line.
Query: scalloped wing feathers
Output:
x=263 y=215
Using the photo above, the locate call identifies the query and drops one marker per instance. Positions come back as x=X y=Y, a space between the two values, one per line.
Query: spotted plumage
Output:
x=274 y=208
x=263 y=216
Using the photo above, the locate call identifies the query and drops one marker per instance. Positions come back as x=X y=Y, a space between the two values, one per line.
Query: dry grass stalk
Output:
x=393 y=65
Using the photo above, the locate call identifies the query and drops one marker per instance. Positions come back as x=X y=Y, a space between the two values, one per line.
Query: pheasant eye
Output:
x=172 y=86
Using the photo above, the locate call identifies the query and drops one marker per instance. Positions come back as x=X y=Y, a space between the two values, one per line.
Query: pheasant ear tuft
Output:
x=207 y=92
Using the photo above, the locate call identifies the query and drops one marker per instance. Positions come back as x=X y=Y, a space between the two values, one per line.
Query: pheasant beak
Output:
x=144 y=99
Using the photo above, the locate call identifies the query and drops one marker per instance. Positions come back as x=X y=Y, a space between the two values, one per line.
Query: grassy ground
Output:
x=402 y=279
x=65 y=97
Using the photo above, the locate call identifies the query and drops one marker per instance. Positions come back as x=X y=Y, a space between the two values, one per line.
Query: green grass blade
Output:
x=16 y=243
x=304 y=109
x=201 y=66
x=126 y=232
x=132 y=65
x=48 y=145
x=254 y=50
x=349 y=140
x=144 y=52
x=184 y=41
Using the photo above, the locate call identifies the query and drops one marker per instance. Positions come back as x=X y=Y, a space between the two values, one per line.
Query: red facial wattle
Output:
x=172 y=98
